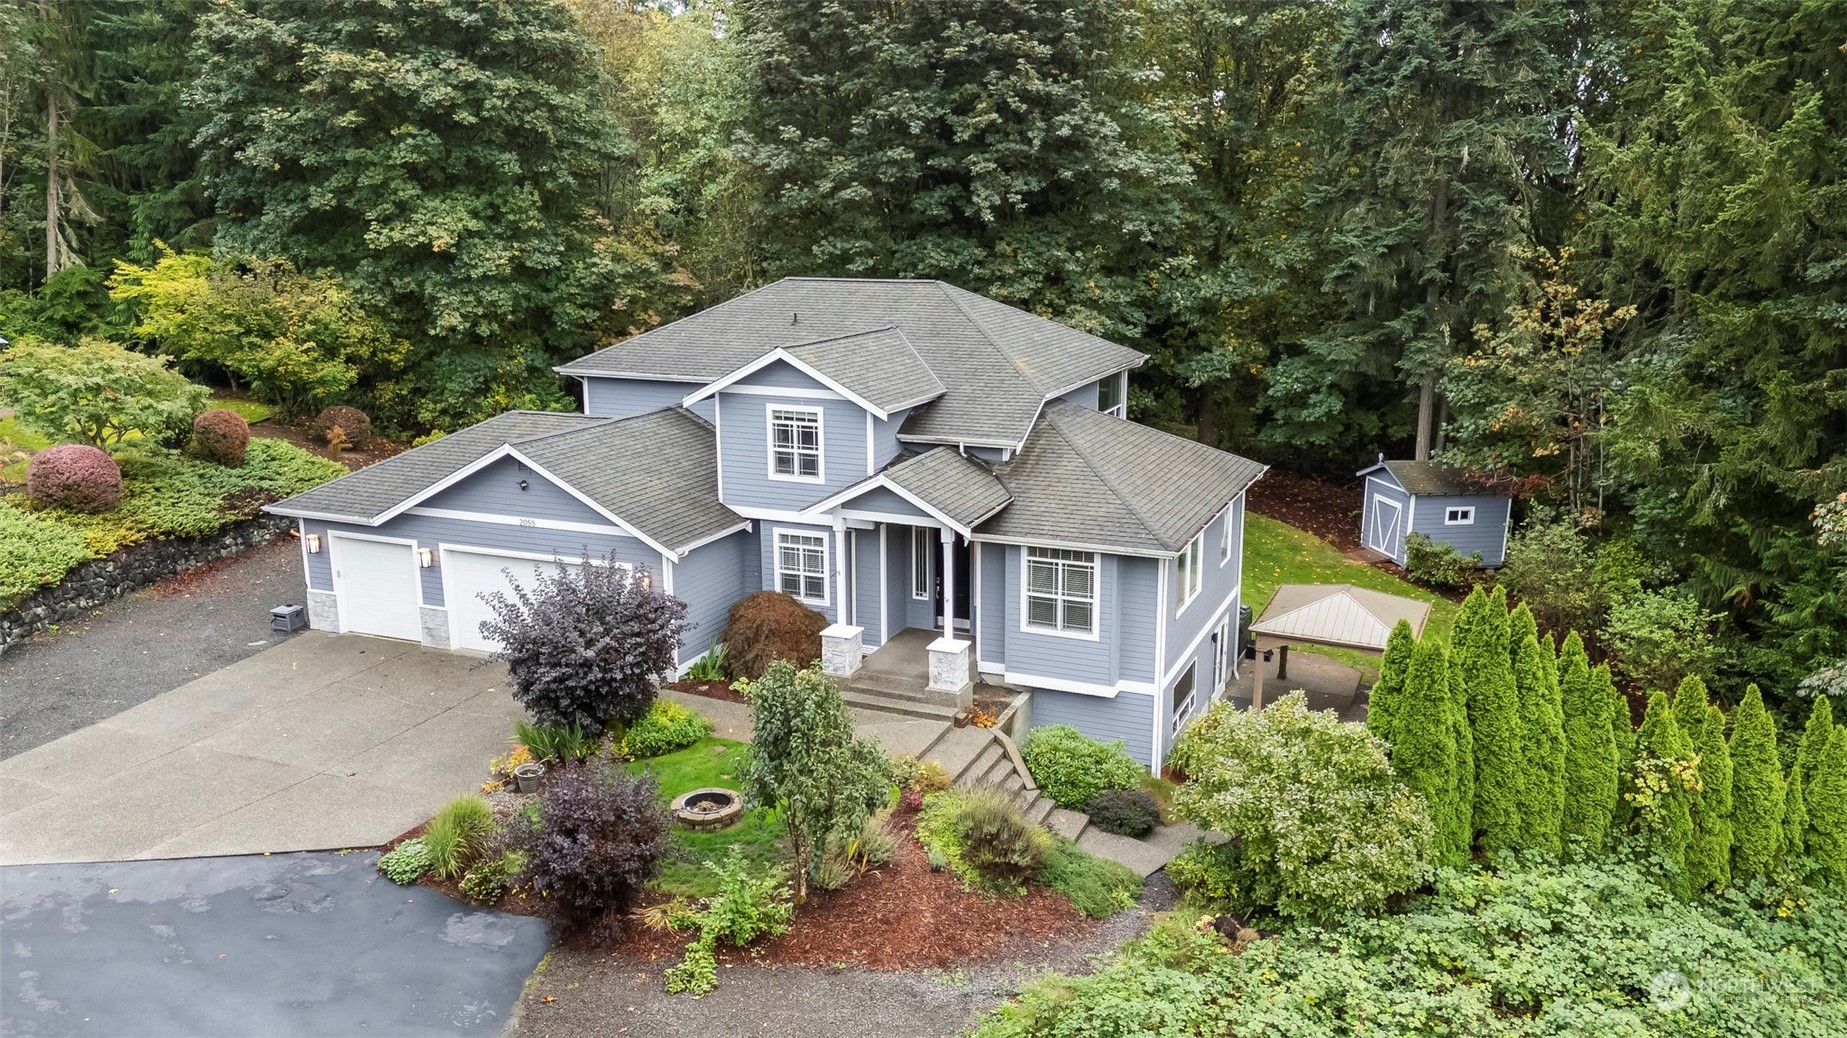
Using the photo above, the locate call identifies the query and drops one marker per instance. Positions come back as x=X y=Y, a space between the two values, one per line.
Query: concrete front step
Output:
x=1067 y=823
x=956 y=748
x=897 y=688
x=889 y=705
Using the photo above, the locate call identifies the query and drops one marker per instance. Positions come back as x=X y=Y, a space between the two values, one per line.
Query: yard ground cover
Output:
x=250 y=410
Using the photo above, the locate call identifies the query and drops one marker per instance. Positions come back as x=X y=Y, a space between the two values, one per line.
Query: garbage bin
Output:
x=1247 y=647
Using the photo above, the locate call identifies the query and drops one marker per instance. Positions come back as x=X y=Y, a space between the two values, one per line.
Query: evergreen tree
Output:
x=1591 y=761
x=1659 y=789
x=1494 y=721
x=1541 y=738
x=1703 y=861
x=1425 y=752
x=1757 y=790
x=1381 y=702
x=1815 y=737
x=1709 y=855
x=1795 y=816
x=1622 y=733
x=1826 y=804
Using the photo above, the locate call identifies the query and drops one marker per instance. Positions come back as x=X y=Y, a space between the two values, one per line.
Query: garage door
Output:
x=377 y=581
x=468 y=575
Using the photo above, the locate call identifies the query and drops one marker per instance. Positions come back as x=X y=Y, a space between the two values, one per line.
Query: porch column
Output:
x=949 y=583
x=840 y=570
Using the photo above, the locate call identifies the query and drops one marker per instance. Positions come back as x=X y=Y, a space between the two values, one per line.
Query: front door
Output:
x=964 y=578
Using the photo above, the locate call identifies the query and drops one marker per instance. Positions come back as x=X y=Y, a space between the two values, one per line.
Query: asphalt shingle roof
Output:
x=998 y=364
x=881 y=366
x=1428 y=477
x=961 y=489
x=1087 y=478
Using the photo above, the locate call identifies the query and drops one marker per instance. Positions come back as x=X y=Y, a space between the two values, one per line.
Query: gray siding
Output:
x=865 y=580
x=628 y=397
x=991 y=607
x=767 y=558
x=743 y=446
x=885 y=502
x=1128 y=716
x=1075 y=659
x=1206 y=683
x=1218 y=584
x=1389 y=540
x=1485 y=535
x=710 y=580
x=1139 y=593
x=495 y=491
x=897 y=582
x=918 y=613
x=885 y=445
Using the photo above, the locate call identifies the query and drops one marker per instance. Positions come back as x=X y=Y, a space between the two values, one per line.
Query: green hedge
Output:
x=165 y=495
x=666 y=727
x=1071 y=767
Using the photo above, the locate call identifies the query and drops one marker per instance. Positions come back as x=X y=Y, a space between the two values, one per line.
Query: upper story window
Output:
x=795 y=444
x=1112 y=395
x=1191 y=575
x=801 y=566
x=1225 y=537
x=1061 y=591
x=1464 y=516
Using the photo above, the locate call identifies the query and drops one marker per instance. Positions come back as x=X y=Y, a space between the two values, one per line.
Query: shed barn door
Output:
x=1386 y=531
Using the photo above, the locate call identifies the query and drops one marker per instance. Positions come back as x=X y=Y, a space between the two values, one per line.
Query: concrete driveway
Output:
x=323 y=742
x=296 y=944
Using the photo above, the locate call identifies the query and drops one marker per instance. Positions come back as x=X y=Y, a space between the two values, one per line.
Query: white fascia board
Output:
x=780 y=354
x=1052 y=542
x=876 y=482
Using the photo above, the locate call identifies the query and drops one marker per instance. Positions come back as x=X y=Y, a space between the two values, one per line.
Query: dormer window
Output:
x=795 y=444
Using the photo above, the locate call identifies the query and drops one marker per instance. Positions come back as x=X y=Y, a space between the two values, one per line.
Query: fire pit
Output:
x=706 y=809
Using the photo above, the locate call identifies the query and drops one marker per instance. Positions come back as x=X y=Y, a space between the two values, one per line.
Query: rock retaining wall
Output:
x=102 y=580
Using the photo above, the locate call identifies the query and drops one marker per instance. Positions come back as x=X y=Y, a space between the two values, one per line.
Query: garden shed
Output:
x=1438 y=501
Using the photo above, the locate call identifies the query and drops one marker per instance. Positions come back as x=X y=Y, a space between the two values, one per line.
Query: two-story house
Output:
x=914 y=461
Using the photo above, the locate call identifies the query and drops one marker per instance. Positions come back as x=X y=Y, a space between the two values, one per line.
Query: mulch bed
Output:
x=1329 y=510
x=709 y=689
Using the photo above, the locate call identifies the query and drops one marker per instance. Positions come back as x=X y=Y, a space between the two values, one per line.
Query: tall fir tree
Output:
x=1815 y=737
x=1709 y=857
x=1494 y=721
x=1757 y=790
x=1591 y=761
x=1424 y=754
x=1382 y=701
x=1657 y=782
x=1541 y=738
x=1826 y=802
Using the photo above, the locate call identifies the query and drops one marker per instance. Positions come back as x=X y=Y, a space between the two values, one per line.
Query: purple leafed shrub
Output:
x=601 y=836
x=583 y=646
x=74 y=476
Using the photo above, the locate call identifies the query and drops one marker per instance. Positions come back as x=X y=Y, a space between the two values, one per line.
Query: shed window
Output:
x=1462 y=516
x=1061 y=591
x=795 y=443
x=801 y=566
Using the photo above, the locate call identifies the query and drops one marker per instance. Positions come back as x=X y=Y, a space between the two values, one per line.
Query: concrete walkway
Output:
x=324 y=742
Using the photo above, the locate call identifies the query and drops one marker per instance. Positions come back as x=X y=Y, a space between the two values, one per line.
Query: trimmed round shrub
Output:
x=600 y=838
x=1072 y=768
x=74 y=476
x=355 y=428
x=770 y=626
x=221 y=436
x=666 y=727
x=1125 y=812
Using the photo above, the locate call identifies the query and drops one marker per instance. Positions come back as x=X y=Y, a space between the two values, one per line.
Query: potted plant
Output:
x=526 y=776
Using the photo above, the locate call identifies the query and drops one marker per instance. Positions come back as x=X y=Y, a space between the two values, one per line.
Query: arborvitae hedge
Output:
x=1591 y=760
x=1660 y=742
x=1757 y=791
x=1826 y=801
x=1382 y=701
x=1814 y=740
x=1795 y=814
x=1541 y=777
x=1494 y=718
x=1703 y=859
x=1424 y=754
x=1709 y=857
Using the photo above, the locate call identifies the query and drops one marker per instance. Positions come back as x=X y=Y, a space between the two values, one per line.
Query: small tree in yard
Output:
x=586 y=643
x=1320 y=824
x=806 y=762
x=1757 y=790
x=96 y=393
x=601 y=836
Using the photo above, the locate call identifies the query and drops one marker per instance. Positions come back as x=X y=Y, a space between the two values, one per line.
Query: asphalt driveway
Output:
x=323 y=742
x=297 y=944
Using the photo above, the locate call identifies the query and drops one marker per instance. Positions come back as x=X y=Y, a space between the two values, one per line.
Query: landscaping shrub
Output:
x=1438 y=564
x=984 y=836
x=457 y=836
x=406 y=863
x=1661 y=637
x=74 y=476
x=1321 y=822
x=751 y=902
x=221 y=437
x=564 y=743
x=354 y=429
x=34 y=552
x=1071 y=767
x=770 y=626
x=712 y=665
x=1125 y=812
x=666 y=727
x=601 y=835
x=489 y=879
x=1095 y=886
x=97 y=392
x=584 y=646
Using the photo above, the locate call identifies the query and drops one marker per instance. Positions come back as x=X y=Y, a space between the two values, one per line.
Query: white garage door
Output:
x=467 y=575
x=377 y=581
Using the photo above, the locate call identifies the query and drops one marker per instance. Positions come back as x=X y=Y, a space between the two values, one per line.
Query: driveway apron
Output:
x=326 y=741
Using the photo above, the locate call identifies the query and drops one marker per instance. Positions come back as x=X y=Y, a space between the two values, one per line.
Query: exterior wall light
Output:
x=522 y=484
x=313 y=541
x=426 y=558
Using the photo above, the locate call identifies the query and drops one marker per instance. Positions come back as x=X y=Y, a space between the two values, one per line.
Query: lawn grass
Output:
x=758 y=836
x=16 y=437
x=1276 y=553
x=251 y=411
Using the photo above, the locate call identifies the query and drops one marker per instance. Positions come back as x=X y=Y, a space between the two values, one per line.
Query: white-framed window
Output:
x=801 y=566
x=1221 y=656
x=1459 y=516
x=1189 y=576
x=795 y=443
x=1184 y=696
x=1225 y=536
x=921 y=588
x=1061 y=591
x=1112 y=395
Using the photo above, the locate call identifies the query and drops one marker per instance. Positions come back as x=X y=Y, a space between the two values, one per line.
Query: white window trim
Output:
x=1464 y=515
x=1096 y=596
x=1197 y=549
x=922 y=590
x=1225 y=537
x=1186 y=708
x=820 y=441
x=1121 y=381
x=1221 y=656
x=776 y=562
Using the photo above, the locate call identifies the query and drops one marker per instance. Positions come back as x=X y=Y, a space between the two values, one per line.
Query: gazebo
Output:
x=1339 y=615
